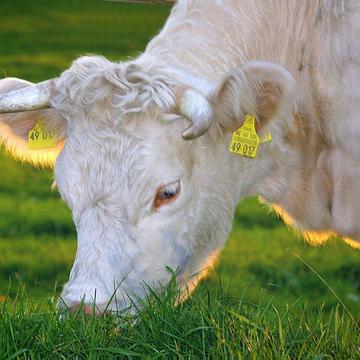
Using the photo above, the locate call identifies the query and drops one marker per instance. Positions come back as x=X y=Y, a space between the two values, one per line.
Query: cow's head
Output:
x=145 y=195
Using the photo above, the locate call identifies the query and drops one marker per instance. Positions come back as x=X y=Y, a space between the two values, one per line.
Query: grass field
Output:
x=266 y=297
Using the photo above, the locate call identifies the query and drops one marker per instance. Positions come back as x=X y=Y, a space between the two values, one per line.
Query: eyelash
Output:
x=166 y=194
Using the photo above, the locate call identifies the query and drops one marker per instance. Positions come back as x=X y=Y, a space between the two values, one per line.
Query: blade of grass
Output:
x=329 y=287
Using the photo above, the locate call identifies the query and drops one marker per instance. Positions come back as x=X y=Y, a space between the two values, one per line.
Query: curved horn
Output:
x=32 y=97
x=196 y=107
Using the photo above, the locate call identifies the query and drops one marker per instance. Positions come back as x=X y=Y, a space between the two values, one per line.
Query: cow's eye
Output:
x=166 y=194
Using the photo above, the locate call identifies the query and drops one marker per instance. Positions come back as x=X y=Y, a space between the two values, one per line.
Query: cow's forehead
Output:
x=119 y=170
x=126 y=132
x=144 y=146
x=94 y=87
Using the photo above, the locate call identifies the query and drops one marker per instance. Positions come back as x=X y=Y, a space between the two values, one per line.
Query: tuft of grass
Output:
x=209 y=325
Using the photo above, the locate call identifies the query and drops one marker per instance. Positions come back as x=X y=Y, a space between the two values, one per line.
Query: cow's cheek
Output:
x=163 y=244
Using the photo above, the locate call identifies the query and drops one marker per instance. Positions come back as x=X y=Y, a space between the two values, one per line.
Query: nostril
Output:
x=87 y=309
x=90 y=310
x=68 y=307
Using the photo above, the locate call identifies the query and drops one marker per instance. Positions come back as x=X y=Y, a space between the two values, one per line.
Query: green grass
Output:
x=210 y=325
x=262 y=300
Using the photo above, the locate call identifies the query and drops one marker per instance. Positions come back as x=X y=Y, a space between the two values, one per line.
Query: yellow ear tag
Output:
x=266 y=138
x=245 y=141
x=41 y=138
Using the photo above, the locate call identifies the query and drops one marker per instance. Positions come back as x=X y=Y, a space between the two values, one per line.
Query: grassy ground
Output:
x=270 y=302
x=207 y=326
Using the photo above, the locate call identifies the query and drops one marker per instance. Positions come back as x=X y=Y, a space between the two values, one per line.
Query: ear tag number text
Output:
x=245 y=141
x=41 y=138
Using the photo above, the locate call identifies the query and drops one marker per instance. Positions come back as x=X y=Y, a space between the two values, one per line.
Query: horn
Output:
x=195 y=107
x=32 y=97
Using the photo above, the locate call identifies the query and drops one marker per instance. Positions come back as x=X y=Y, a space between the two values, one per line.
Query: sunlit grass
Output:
x=210 y=325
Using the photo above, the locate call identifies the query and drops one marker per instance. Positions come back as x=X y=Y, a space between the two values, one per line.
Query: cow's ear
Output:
x=263 y=89
x=15 y=128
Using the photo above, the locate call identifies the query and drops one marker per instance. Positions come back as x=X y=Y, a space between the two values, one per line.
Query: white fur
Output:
x=124 y=141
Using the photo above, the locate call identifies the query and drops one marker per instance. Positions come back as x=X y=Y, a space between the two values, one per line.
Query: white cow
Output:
x=144 y=193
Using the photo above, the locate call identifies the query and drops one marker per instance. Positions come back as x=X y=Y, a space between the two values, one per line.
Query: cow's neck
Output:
x=303 y=192
x=269 y=31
